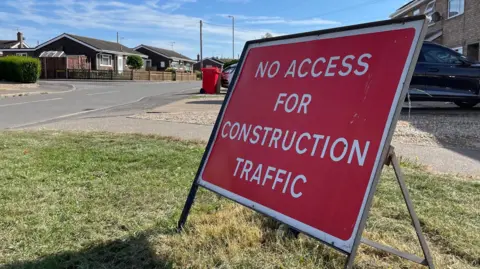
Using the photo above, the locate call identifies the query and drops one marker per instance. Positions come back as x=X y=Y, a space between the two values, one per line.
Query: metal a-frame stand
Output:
x=427 y=260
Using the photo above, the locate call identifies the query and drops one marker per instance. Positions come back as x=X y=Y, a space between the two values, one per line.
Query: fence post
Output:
x=132 y=74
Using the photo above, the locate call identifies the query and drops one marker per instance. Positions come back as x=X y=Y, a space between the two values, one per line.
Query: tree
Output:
x=134 y=62
x=267 y=35
x=227 y=64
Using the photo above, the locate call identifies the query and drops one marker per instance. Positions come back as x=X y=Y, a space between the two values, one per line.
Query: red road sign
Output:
x=304 y=129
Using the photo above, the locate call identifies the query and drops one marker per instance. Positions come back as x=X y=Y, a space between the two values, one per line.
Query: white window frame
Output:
x=23 y=54
x=416 y=12
x=109 y=57
x=429 y=12
x=458 y=49
x=461 y=11
x=162 y=64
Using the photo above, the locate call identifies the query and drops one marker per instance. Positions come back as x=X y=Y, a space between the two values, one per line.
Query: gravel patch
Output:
x=194 y=117
x=456 y=130
x=446 y=129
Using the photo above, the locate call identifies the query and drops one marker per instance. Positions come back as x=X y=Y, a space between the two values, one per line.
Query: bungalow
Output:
x=102 y=55
x=209 y=62
x=161 y=59
x=13 y=44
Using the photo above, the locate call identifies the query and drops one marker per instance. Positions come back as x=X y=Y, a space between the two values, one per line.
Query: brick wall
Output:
x=459 y=31
x=472 y=21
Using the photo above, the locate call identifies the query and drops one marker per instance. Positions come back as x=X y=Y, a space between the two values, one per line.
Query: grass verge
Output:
x=112 y=201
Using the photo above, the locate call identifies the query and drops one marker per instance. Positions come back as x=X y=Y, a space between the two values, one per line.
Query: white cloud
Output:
x=175 y=4
x=137 y=23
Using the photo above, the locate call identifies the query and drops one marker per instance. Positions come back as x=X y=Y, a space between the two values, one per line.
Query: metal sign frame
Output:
x=384 y=155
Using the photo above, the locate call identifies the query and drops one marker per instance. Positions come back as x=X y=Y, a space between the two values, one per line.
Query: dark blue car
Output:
x=442 y=74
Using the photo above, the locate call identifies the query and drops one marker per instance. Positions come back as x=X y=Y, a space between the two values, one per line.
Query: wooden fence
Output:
x=125 y=75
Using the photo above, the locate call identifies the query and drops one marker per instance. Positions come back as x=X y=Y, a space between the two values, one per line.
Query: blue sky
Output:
x=160 y=22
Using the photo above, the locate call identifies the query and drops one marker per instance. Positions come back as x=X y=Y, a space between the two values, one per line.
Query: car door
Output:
x=447 y=74
x=418 y=82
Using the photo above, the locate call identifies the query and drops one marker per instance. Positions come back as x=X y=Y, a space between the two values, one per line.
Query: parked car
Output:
x=227 y=75
x=442 y=74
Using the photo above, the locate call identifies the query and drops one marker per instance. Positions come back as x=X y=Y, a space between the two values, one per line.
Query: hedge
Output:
x=20 y=69
x=227 y=64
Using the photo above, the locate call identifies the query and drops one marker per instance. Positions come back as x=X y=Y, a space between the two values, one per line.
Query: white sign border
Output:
x=345 y=246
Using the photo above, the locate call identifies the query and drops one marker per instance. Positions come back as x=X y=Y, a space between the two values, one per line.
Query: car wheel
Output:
x=466 y=104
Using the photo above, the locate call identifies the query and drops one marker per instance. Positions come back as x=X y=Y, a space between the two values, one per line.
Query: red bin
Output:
x=210 y=79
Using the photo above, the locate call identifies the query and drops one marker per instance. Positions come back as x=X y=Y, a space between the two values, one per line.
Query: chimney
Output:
x=20 y=39
x=198 y=57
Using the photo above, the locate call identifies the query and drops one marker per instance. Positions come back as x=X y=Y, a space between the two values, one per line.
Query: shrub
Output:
x=199 y=74
x=174 y=72
x=134 y=62
x=20 y=69
x=227 y=64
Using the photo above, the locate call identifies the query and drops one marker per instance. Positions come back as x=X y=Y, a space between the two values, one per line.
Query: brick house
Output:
x=452 y=23
x=100 y=54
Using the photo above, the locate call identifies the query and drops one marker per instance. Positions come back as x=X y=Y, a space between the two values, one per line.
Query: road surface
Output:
x=90 y=98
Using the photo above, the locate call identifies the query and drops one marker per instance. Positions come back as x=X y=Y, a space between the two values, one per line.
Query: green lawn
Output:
x=112 y=201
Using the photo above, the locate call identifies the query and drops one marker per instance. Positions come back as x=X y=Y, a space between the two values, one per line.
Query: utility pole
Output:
x=233 y=35
x=171 y=44
x=201 y=46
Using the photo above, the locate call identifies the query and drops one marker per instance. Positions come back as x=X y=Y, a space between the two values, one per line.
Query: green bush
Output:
x=20 y=69
x=227 y=64
x=134 y=62
x=174 y=73
x=199 y=74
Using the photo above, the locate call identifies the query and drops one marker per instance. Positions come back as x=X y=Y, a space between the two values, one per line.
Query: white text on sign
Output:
x=327 y=67
x=322 y=146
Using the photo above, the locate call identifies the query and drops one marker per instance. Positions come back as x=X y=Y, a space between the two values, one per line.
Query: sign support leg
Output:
x=188 y=206
x=416 y=223
x=427 y=261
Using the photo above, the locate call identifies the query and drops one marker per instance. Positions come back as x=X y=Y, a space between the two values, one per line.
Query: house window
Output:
x=416 y=12
x=429 y=10
x=458 y=49
x=162 y=64
x=147 y=63
x=105 y=60
x=24 y=54
x=455 y=8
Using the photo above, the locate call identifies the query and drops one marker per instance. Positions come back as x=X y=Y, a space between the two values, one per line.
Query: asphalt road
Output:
x=90 y=98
